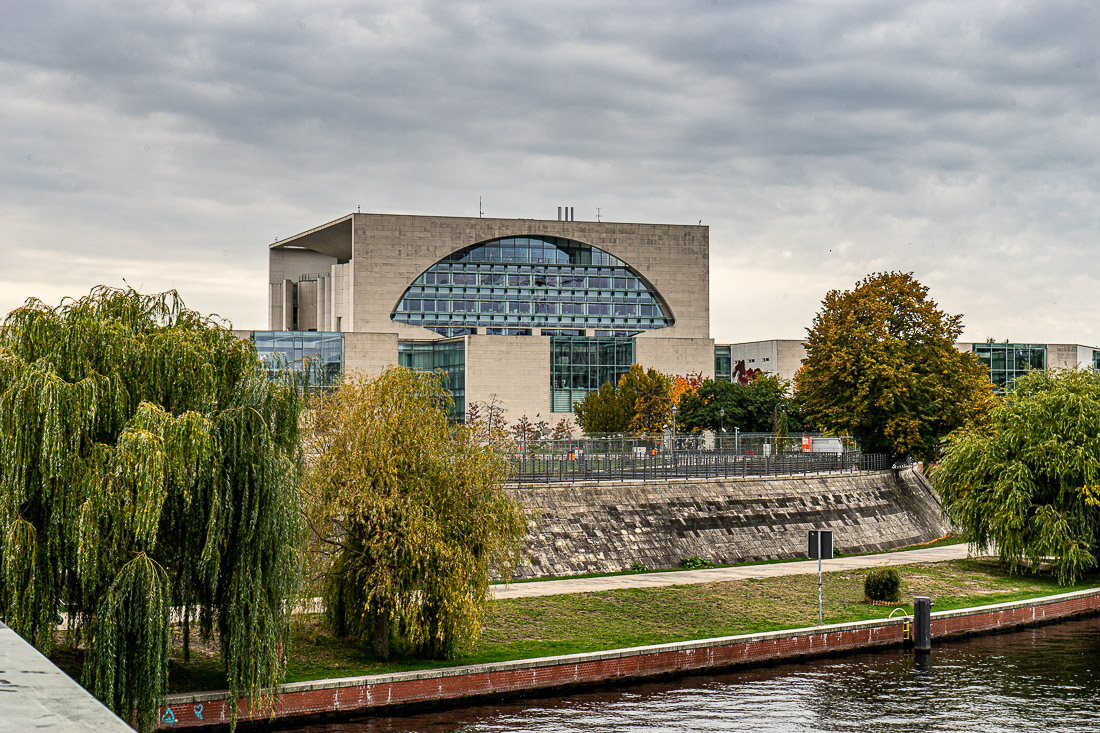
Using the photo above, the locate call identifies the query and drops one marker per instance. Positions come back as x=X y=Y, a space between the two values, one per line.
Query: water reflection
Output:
x=1045 y=678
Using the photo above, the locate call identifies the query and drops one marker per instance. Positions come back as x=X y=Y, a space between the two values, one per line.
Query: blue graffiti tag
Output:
x=198 y=711
x=168 y=717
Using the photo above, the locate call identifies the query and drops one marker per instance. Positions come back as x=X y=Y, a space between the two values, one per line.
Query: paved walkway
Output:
x=713 y=575
x=36 y=695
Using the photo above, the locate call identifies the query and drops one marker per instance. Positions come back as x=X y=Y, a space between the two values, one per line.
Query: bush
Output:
x=695 y=563
x=882 y=584
x=638 y=567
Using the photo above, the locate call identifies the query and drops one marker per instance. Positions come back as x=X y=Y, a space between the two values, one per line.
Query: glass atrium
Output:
x=579 y=365
x=723 y=366
x=446 y=356
x=1008 y=361
x=317 y=357
x=511 y=284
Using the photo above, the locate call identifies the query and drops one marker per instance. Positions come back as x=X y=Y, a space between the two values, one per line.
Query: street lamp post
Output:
x=674 y=432
x=721 y=425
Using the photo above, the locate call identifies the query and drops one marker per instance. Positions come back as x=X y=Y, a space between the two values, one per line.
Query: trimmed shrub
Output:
x=882 y=584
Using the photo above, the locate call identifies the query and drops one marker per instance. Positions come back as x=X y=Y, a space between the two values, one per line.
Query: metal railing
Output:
x=628 y=458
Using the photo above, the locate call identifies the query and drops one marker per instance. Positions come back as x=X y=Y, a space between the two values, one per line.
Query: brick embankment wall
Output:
x=434 y=685
x=608 y=526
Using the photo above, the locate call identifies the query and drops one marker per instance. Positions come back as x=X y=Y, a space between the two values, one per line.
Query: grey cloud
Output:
x=957 y=140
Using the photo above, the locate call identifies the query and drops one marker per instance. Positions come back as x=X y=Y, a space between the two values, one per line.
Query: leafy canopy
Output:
x=641 y=402
x=881 y=365
x=1029 y=483
x=408 y=514
x=755 y=407
x=146 y=464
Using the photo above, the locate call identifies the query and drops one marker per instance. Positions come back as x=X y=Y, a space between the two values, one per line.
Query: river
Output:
x=1044 y=678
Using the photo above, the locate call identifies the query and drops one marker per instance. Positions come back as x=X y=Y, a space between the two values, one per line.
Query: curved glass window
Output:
x=525 y=282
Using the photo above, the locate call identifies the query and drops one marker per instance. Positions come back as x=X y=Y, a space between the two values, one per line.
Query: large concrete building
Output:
x=534 y=312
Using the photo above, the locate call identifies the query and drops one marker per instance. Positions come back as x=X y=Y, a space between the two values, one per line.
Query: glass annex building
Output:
x=536 y=313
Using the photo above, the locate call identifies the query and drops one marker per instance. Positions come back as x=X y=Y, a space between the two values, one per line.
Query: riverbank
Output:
x=522 y=628
x=515 y=677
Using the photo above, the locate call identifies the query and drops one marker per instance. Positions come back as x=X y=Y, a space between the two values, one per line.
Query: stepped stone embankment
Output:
x=607 y=526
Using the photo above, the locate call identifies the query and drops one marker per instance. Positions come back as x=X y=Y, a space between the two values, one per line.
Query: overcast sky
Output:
x=166 y=144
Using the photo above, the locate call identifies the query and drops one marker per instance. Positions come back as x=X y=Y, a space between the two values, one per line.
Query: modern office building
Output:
x=776 y=356
x=534 y=312
x=1005 y=360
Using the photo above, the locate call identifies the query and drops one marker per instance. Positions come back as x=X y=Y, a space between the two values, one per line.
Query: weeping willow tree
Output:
x=1028 y=484
x=147 y=468
x=408 y=515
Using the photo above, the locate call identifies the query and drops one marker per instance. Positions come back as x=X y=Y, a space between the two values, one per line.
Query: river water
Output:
x=1041 y=679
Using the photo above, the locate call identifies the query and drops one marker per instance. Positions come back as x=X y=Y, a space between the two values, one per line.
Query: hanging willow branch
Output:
x=146 y=463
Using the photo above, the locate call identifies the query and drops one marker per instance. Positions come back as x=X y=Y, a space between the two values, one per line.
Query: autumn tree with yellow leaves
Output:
x=881 y=365
x=407 y=513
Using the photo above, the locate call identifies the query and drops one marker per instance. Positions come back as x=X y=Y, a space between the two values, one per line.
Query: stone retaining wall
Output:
x=362 y=693
x=608 y=526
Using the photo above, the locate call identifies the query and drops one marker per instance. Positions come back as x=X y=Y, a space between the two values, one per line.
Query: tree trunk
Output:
x=381 y=638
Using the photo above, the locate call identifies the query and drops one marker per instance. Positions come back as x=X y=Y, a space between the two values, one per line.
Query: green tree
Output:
x=650 y=392
x=408 y=514
x=640 y=402
x=604 y=411
x=881 y=365
x=1028 y=484
x=754 y=407
x=146 y=464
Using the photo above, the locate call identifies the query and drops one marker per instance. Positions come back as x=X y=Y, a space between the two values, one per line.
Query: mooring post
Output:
x=922 y=624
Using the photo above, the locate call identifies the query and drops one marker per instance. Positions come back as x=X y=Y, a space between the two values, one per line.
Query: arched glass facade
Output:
x=524 y=282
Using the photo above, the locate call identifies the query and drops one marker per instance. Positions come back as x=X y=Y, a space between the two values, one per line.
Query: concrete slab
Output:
x=715 y=575
x=36 y=695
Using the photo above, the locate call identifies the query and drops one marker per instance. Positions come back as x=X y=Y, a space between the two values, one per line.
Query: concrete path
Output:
x=36 y=695
x=714 y=575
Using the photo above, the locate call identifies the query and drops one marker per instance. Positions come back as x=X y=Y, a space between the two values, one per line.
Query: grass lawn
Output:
x=535 y=627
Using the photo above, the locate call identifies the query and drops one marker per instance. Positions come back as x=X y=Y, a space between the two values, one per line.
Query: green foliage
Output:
x=755 y=407
x=882 y=584
x=146 y=463
x=1029 y=483
x=695 y=563
x=639 y=567
x=881 y=365
x=639 y=403
x=604 y=411
x=408 y=515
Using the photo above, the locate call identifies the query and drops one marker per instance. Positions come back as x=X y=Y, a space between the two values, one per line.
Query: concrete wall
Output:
x=369 y=353
x=776 y=356
x=514 y=368
x=676 y=356
x=603 y=527
x=1062 y=356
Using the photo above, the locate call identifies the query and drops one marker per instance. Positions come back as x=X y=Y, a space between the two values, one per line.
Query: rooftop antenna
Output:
x=358 y=209
x=598 y=214
x=480 y=213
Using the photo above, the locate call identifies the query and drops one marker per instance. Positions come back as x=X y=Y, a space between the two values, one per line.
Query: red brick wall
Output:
x=362 y=693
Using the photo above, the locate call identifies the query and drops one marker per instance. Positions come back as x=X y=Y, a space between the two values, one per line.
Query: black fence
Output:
x=650 y=463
